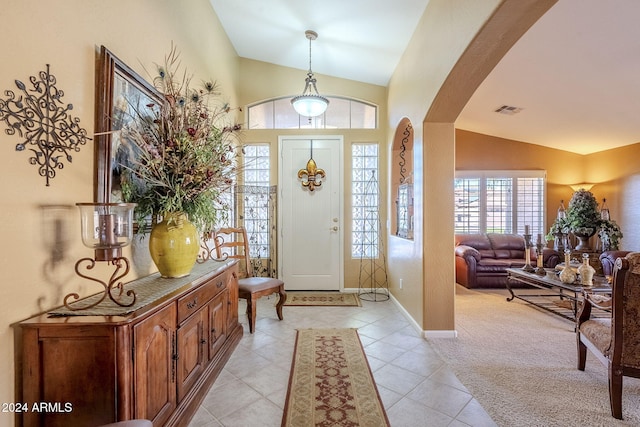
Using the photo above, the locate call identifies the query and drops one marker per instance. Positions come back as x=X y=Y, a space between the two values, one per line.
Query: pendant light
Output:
x=310 y=103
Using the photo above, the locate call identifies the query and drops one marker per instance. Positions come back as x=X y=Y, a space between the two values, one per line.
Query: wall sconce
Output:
x=106 y=228
x=585 y=186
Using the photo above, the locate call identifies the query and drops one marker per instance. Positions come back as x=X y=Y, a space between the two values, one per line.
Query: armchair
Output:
x=614 y=341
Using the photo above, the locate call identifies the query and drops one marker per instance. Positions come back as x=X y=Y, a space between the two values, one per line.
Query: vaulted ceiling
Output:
x=571 y=82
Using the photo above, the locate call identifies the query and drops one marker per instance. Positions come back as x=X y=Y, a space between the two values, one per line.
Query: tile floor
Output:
x=416 y=386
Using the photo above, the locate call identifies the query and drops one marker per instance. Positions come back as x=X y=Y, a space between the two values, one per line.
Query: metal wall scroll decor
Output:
x=39 y=117
x=313 y=174
x=403 y=150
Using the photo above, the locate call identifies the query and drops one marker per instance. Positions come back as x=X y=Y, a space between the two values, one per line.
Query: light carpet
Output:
x=520 y=364
x=323 y=299
x=331 y=383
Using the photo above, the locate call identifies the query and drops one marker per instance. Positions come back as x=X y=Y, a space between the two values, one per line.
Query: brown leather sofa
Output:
x=608 y=260
x=482 y=259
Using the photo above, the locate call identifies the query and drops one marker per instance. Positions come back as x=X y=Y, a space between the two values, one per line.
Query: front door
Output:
x=310 y=222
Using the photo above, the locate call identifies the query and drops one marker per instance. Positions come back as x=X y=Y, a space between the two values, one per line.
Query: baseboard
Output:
x=406 y=314
x=412 y=321
x=440 y=334
x=419 y=330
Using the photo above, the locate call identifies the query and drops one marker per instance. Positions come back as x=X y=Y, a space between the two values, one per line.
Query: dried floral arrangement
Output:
x=185 y=150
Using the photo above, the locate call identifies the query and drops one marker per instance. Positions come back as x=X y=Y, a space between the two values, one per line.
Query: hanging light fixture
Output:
x=310 y=103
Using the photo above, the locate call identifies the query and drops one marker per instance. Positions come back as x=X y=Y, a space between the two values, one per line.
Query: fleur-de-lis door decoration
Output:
x=313 y=173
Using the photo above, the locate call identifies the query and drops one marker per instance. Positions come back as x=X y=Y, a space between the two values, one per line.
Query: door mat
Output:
x=322 y=299
x=331 y=383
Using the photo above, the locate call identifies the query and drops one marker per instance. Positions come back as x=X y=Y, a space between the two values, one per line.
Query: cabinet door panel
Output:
x=191 y=351
x=218 y=322
x=232 y=304
x=155 y=386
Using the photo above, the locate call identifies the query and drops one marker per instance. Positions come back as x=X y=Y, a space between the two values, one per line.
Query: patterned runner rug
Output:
x=323 y=299
x=331 y=382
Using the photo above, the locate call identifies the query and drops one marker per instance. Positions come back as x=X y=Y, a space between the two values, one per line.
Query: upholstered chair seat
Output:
x=615 y=341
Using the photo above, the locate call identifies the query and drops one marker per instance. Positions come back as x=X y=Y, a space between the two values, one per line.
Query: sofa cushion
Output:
x=493 y=265
x=479 y=241
x=507 y=245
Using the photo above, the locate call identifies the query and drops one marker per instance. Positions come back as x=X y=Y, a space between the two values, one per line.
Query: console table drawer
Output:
x=190 y=303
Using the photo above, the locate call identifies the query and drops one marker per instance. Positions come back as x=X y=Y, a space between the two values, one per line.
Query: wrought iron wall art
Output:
x=313 y=173
x=39 y=117
x=403 y=149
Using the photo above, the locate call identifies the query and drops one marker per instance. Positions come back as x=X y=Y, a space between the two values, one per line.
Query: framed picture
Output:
x=121 y=95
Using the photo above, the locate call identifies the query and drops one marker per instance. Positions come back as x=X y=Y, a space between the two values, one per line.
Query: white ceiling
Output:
x=575 y=74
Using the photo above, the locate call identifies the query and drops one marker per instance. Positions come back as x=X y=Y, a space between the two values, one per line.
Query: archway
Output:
x=510 y=20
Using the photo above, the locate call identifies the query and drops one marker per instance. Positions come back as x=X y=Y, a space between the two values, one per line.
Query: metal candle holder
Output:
x=527 y=254
x=540 y=259
x=106 y=228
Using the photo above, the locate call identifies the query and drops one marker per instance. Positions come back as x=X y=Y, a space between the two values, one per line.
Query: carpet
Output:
x=331 y=383
x=520 y=364
x=322 y=299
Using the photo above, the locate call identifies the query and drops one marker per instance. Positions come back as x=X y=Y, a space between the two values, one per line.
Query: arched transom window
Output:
x=343 y=113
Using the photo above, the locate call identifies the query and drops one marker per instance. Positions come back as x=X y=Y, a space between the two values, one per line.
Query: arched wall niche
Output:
x=402 y=180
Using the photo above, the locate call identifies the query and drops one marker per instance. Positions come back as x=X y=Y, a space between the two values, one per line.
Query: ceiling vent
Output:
x=508 y=109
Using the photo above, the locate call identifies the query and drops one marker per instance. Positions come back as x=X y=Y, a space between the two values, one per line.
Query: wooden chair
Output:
x=233 y=243
x=615 y=341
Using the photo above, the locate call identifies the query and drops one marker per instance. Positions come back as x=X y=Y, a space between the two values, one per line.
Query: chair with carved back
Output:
x=232 y=242
x=614 y=340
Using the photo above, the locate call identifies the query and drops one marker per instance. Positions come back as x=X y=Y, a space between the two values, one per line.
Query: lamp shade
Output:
x=310 y=105
x=106 y=228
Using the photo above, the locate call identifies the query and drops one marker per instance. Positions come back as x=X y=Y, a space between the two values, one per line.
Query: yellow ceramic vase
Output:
x=174 y=245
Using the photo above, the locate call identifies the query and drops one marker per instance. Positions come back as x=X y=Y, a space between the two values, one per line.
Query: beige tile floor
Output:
x=416 y=386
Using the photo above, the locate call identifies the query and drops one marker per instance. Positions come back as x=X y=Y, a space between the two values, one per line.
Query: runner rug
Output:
x=331 y=383
x=323 y=299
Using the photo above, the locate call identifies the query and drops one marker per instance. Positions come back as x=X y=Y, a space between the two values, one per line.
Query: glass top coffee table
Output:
x=559 y=298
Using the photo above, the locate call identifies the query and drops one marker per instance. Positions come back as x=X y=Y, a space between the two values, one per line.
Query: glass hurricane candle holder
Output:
x=106 y=228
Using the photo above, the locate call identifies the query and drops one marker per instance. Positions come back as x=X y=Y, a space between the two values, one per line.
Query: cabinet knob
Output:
x=203 y=341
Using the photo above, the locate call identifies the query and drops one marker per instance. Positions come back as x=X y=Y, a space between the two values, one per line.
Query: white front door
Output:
x=310 y=222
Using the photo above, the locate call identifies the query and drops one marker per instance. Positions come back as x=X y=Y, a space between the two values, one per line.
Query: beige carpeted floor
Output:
x=520 y=364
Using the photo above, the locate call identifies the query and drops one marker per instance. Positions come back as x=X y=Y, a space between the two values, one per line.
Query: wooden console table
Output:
x=156 y=362
x=552 y=287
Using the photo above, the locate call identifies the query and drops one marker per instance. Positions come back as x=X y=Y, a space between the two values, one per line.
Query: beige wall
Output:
x=455 y=46
x=67 y=35
x=262 y=81
x=445 y=30
x=614 y=172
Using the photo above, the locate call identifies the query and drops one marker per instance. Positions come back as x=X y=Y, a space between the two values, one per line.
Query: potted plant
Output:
x=583 y=220
x=583 y=217
x=610 y=235
x=185 y=158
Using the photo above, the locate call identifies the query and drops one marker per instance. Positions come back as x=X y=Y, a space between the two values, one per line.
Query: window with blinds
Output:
x=499 y=202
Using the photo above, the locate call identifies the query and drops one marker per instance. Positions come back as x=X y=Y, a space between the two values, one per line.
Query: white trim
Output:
x=440 y=334
x=406 y=314
x=488 y=173
x=340 y=143
x=424 y=334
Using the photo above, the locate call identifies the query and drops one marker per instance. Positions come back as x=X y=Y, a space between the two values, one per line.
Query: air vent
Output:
x=508 y=109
